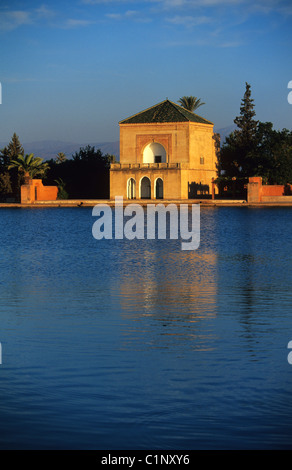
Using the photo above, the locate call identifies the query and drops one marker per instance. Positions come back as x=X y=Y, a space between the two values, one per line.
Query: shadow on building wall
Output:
x=198 y=190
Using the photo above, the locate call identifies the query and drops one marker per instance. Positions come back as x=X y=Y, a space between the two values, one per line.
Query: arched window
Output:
x=154 y=153
x=145 y=188
x=159 y=188
x=131 y=189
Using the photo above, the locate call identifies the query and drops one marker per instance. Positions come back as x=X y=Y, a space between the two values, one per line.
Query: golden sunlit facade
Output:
x=166 y=152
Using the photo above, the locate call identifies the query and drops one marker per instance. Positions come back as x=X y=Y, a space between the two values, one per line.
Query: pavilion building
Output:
x=166 y=152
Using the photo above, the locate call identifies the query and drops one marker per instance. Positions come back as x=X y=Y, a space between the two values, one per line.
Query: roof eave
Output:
x=183 y=112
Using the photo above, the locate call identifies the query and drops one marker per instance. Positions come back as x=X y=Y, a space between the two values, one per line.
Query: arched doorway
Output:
x=131 y=189
x=154 y=153
x=145 y=188
x=159 y=188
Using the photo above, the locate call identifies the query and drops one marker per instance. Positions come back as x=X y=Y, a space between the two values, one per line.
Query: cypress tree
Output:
x=247 y=126
x=10 y=152
x=236 y=155
x=14 y=147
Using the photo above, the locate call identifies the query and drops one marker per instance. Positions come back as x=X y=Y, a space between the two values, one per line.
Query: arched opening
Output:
x=131 y=189
x=154 y=153
x=159 y=188
x=145 y=188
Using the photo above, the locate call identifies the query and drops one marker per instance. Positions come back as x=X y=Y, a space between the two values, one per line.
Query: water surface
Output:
x=119 y=344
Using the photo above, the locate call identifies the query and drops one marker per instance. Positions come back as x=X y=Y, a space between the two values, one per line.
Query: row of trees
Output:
x=85 y=175
x=255 y=148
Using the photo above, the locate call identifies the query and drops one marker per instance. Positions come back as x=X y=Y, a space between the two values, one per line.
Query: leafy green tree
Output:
x=228 y=164
x=191 y=103
x=5 y=185
x=236 y=157
x=272 y=155
x=85 y=175
x=29 y=165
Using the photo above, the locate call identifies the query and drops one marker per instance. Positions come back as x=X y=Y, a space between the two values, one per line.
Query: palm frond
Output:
x=190 y=102
x=30 y=164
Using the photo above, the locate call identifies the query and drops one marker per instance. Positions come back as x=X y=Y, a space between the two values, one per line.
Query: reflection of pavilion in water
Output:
x=177 y=289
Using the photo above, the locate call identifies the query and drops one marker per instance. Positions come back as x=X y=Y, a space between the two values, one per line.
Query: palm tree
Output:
x=29 y=165
x=62 y=193
x=190 y=102
x=61 y=157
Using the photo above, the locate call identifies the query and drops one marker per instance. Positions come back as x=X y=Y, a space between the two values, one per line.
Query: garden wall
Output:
x=257 y=192
x=34 y=190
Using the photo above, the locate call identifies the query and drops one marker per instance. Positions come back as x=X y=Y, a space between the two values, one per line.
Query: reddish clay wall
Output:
x=276 y=190
x=34 y=190
x=47 y=193
x=257 y=192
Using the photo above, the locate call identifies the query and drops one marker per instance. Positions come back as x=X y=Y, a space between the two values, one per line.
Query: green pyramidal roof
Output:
x=166 y=111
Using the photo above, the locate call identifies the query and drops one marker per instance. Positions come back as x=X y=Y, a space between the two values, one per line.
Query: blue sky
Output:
x=71 y=70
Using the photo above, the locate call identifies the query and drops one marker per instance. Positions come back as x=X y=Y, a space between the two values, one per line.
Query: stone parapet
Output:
x=145 y=166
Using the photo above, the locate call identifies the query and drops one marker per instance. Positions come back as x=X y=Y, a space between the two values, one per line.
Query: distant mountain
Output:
x=225 y=131
x=48 y=149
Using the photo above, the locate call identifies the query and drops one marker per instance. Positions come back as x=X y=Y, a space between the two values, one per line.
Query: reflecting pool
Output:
x=136 y=344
